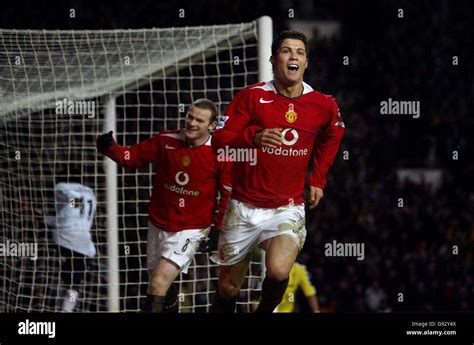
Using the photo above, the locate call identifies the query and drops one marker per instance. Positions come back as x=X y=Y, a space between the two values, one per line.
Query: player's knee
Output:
x=278 y=273
x=159 y=282
x=228 y=290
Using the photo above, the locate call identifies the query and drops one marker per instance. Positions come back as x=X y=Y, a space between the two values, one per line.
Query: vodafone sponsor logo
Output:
x=279 y=151
x=291 y=141
x=182 y=179
x=289 y=138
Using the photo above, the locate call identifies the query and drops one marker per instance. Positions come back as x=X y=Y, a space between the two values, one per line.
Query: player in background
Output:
x=299 y=278
x=183 y=202
x=289 y=124
x=75 y=206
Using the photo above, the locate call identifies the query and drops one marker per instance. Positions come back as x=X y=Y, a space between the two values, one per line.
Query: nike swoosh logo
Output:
x=178 y=253
x=264 y=101
x=169 y=147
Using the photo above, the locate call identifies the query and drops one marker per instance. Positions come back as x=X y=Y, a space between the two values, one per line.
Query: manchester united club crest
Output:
x=291 y=115
x=186 y=161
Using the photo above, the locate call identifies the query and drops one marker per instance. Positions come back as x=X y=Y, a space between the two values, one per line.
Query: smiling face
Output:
x=198 y=123
x=290 y=62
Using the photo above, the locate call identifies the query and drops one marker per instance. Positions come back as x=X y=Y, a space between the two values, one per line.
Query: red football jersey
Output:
x=186 y=181
x=312 y=127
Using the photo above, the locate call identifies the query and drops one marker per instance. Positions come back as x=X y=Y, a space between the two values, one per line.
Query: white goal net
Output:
x=58 y=91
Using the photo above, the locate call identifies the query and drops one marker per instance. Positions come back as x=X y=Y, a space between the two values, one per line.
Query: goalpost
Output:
x=58 y=90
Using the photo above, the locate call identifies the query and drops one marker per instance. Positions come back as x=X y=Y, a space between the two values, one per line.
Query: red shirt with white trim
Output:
x=186 y=181
x=312 y=129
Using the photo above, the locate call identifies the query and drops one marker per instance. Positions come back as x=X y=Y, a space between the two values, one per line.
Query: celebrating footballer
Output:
x=183 y=201
x=289 y=124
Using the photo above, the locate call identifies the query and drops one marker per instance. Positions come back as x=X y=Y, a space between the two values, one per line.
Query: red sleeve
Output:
x=225 y=189
x=136 y=156
x=234 y=131
x=326 y=146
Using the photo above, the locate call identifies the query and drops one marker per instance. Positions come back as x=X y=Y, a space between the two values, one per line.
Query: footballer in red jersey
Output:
x=181 y=211
x=288 y=124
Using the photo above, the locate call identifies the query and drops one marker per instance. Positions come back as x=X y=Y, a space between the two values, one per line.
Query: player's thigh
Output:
x=153 y=248
x=165 y=272
x=280 y=255
x=287 y=221
x=239 y=235
x=233 y=276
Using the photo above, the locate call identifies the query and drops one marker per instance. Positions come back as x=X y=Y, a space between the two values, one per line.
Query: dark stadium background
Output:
x=409 y=249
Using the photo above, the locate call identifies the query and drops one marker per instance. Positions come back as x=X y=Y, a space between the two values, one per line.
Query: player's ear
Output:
x=212 y=126
x=272 y=60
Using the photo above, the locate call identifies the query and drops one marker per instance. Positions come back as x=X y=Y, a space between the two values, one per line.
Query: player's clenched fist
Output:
x=315 y=196
x=270 y=137
x=104 y=141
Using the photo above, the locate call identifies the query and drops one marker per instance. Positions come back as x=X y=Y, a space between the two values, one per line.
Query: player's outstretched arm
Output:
x=129 y=157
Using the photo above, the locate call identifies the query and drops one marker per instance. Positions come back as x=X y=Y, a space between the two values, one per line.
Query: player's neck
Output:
x=290 y=91
x=192 y=143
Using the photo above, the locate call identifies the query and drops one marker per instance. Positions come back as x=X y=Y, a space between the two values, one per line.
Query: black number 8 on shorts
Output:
x=185 y=246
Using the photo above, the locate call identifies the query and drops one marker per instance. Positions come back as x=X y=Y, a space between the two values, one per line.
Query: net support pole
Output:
x=265 y=37
x=110 y=168
x=265 y=73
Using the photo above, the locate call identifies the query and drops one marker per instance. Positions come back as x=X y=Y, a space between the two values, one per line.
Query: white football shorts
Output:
x=178 y=247
x=246 y=226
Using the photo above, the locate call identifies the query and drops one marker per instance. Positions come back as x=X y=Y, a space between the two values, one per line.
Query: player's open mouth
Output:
x=293 y=68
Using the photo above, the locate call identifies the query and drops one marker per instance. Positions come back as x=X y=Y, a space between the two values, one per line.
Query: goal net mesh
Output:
x=54 y=86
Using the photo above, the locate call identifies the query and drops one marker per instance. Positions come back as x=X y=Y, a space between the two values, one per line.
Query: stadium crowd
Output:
x=418 y=257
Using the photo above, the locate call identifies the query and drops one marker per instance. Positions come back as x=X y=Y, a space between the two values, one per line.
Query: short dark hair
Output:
x=296 y=35
x=206 y=104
